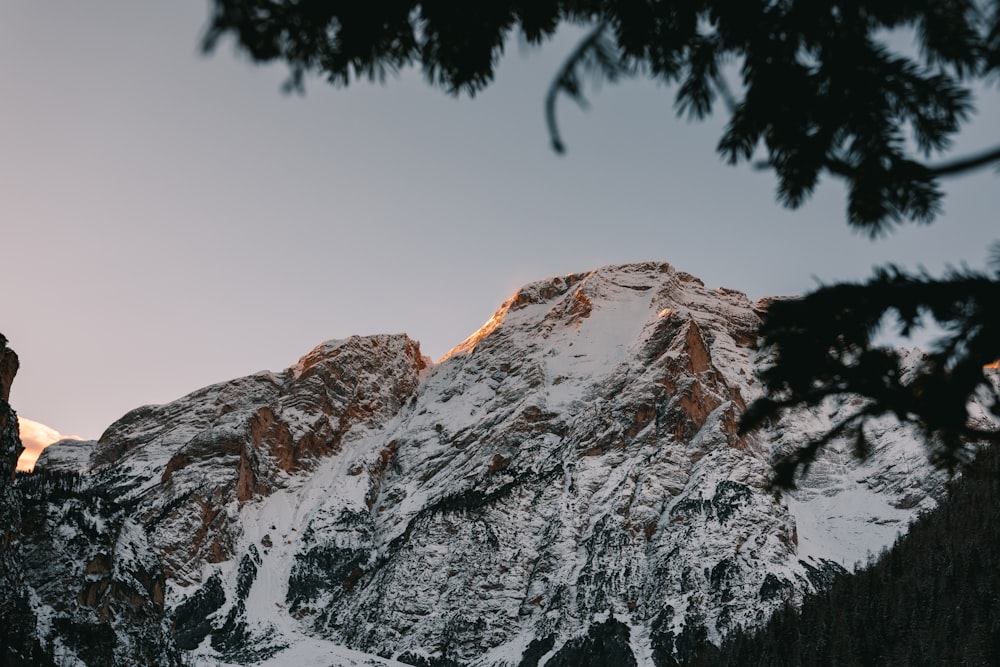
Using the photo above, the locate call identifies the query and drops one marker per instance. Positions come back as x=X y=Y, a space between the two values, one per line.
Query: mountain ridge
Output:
x=571 y=470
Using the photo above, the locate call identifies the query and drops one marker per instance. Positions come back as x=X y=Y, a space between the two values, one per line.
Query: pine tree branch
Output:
x=825 y=344
x=565 y=81
x=965 y=164
x=953 y=168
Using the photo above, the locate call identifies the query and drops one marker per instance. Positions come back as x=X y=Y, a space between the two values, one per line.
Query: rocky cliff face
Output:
x=8 y=368
x=18 y=636
x=569 y=477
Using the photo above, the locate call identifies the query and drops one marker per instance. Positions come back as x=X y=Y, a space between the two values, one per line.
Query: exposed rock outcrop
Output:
x=8 y=368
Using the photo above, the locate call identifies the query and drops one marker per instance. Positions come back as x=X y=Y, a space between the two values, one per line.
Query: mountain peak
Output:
x=329 y=352
x=625 y=297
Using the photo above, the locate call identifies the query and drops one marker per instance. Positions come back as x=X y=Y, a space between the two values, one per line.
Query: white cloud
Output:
x=35 y=437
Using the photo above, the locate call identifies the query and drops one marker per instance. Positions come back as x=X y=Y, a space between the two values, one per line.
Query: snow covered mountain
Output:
x=569 y=481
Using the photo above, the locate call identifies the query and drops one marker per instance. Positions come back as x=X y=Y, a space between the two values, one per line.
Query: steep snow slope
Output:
x=571 y=473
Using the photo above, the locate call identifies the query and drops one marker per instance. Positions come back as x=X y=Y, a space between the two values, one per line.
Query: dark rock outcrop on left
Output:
x=18 y=643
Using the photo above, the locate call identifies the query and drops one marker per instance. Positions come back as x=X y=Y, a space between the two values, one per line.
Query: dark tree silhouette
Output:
x=825 y=345
x=812 y=87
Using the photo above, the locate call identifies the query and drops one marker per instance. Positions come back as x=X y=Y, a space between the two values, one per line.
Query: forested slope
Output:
x=933 y=599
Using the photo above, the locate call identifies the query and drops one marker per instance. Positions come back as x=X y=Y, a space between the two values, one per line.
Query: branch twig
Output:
x=953 y=168
x=561 y=82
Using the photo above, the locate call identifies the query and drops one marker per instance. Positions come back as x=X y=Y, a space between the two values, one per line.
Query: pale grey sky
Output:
x=170 y=220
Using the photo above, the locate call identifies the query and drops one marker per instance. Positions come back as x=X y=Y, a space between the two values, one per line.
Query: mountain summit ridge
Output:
x=569 y=475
